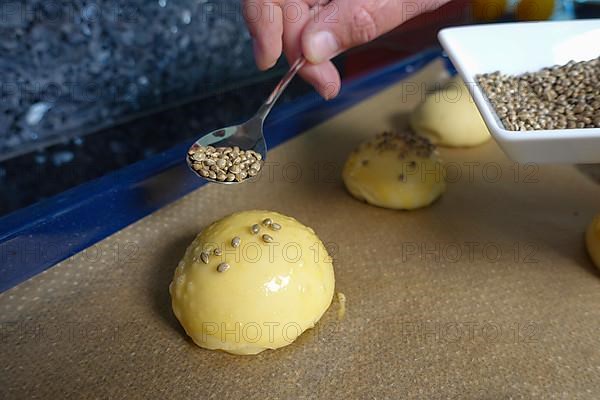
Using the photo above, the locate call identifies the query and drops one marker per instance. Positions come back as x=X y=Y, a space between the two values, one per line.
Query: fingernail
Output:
x=321 y=47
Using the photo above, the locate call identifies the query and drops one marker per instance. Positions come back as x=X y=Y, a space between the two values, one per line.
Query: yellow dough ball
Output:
x=592 y=240
x=535 y=10
x=252 y=281
x=449 y=117
x=395 y=170
x=488 y=10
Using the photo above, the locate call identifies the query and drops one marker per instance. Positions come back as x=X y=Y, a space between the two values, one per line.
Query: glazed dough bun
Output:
x=450 y=118
x=267 y=296
x=592 y=240
x=395 y=170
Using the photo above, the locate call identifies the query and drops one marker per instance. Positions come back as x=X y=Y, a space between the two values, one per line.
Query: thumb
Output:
x=343 y=24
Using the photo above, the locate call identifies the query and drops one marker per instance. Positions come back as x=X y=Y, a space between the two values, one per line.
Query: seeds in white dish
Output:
x=559 y=97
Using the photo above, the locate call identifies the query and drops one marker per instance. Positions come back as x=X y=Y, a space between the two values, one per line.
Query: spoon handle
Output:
x=283 y=83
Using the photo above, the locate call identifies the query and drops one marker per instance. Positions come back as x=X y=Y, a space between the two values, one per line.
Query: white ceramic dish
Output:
x=515 y=48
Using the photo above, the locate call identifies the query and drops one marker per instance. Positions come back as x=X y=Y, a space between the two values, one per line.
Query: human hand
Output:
x=319 y=30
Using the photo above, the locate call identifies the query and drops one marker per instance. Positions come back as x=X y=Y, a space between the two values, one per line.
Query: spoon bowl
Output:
x=246 y=136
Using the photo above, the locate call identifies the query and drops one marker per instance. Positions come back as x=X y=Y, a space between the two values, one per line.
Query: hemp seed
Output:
x=204 y=257
x=267 y=221
x=223 y=267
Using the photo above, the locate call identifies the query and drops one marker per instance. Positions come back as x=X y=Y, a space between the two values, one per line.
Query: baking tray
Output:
x=487 y=294
x=39 y=236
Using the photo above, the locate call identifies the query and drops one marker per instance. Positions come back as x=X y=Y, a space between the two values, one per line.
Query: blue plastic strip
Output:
x=37 y=237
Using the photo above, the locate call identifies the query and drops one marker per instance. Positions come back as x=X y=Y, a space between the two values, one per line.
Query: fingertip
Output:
x=324 y=78
x=262 y=57
x=330 y=81
x=330 y=91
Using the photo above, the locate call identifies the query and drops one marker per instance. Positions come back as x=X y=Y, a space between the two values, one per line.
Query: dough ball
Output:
x=449 y=117
x=592 y=240
x=256 y=292
x=395 y=170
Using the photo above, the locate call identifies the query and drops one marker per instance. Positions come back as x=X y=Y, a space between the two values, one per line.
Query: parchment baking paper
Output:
x=487 y=294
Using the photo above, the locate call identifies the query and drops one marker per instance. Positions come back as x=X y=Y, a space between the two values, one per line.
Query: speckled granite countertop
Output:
x=72 y=67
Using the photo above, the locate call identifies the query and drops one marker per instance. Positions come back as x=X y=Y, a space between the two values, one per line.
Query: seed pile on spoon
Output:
x=225 y=164
x=559 y=97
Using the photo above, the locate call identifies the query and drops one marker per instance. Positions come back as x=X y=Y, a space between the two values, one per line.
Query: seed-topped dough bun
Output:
x=252 y=281
x=592 y=240
x=395 y=170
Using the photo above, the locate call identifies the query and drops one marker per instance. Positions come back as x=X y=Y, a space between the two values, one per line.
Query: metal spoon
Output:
x=249 y=135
